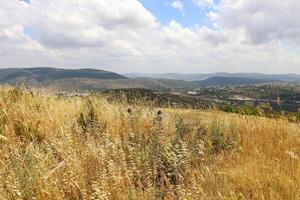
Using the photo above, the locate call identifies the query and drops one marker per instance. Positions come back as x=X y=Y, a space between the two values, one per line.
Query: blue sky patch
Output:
x=27 y=1
x=30 y=31
x=190 y=16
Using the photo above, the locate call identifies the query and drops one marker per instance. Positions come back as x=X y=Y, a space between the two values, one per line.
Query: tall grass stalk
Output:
x=89 y=148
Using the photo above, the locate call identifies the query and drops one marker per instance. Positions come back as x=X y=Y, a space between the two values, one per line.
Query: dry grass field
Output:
x=87 y=148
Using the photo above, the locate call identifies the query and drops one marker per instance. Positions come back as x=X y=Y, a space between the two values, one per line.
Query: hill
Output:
x=52 y=74
x=80 y=80
x=83 y=80
x=89 y=148
x=87 y=84
x=203 y=76
x=218 y=80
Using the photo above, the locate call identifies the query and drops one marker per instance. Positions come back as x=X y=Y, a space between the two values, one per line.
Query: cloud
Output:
x=176 y=4
x=263 y=21
x=121 y=35
x=204 y=3
x=90 y=23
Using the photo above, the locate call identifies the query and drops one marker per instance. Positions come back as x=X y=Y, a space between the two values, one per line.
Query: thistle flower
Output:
x=129 y=110
x=159 y=112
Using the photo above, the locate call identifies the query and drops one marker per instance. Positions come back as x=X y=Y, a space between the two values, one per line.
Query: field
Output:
x=88 y=148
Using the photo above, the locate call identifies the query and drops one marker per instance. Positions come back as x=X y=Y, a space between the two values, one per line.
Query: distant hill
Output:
x=83 y=84
x=203 y=76
x=171 y=76
x=51 y=74
x=230 y=81
x=98 y=80
x=83 y=80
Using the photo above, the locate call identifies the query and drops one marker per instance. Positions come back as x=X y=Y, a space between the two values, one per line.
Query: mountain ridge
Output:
x=48 y=73
x=219 y=80
x=86 y=79
x=203 y=76
x=89 y=79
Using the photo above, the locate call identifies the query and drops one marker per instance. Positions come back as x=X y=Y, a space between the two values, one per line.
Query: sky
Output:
x=152 y=36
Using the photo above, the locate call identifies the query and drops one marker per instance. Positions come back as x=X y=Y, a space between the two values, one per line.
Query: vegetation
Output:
x=262 y=112
x=89 y=148
x=83 y=80
x=288 y=92
x=50 y=74
x=246 y=110
x=149 y=97
x=219 y=80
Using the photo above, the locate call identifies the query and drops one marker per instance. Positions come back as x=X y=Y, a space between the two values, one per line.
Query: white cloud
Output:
x=121 y=35
x=178 y=5
x=263 y=21
x=76 y=23
x=204 y=3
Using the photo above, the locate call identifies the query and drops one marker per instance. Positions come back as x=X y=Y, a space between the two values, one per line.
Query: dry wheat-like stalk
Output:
x=91 y=148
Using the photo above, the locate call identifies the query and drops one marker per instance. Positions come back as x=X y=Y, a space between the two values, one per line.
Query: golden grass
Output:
x=87 y=148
